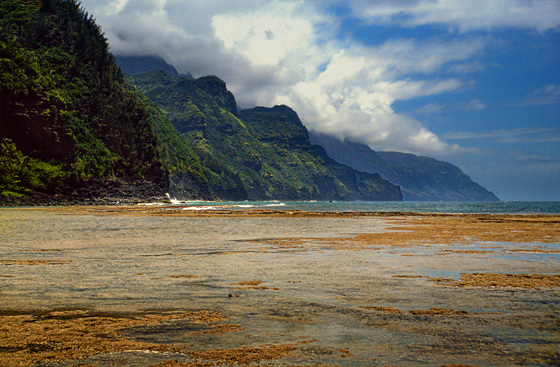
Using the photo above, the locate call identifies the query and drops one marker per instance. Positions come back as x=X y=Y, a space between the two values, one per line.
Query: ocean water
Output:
x=501 y=207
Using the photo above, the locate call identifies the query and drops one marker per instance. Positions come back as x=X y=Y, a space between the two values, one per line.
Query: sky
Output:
x=472 y=82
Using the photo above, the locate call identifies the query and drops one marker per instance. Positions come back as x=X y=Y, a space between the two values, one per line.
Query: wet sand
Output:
x=161 y=286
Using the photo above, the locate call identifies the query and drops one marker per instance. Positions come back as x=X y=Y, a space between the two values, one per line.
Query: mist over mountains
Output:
x=420 y=178
x=144 y=64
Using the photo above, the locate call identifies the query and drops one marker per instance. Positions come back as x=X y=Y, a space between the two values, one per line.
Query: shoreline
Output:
x=165 y=209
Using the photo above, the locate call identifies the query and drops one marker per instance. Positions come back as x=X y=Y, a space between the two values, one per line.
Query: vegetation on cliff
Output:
x=262 y=153
x=424 y=178
x=64 y=105
x=281 y=128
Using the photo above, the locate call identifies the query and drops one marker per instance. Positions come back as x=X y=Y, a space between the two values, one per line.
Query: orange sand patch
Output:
x=34 y=262
x=439 y=311
x=45 y=250
x=386 y=309
x=26 y=338
x=182 y=364
x=528 y=281
x=413 y=230
x=430 y=311
x=409 y=229
x=253 y=284
x=286 y=243
x=249 y=354
x=218 y=329
x=440 y=280
x=248 y=283
x=463 y=229
x=536 y=250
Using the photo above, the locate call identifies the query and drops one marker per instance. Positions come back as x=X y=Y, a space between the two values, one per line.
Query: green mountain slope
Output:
x=69 y=122
x=65 y=103
x=258 y=154
x=184 y=171
x=281 y=128
x=71 y=125
x=143 y=64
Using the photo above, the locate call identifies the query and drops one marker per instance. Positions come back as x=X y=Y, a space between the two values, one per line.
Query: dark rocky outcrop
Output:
x=94 y=191
x=216 y=87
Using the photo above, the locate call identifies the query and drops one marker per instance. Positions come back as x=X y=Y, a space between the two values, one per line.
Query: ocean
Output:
x=501 y=207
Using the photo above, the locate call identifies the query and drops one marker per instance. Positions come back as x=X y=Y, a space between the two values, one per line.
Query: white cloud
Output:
x=267 y=36
x=518 y=135
x=549 y=94
x=474 y=105
x=284 y=52
x=463 y=15
x=352 y=96
x=433 y=108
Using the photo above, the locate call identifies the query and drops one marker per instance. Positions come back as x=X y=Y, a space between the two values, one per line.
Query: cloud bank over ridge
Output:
x=298 y=53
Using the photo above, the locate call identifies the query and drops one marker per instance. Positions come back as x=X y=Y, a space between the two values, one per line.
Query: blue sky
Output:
x=475 y=83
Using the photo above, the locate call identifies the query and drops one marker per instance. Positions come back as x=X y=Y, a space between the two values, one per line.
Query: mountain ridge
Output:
x=261 y=153
x=420 y=178
x=144 y=63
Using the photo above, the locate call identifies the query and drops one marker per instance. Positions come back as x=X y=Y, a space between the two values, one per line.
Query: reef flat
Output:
x=162 y=286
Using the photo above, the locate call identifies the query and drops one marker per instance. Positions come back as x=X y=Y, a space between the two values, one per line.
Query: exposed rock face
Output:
x=94 y=191
x=184 y=185
x=420 y=178
x=279 y=125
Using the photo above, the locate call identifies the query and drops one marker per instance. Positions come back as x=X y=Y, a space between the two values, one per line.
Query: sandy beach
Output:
x=162 y=286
